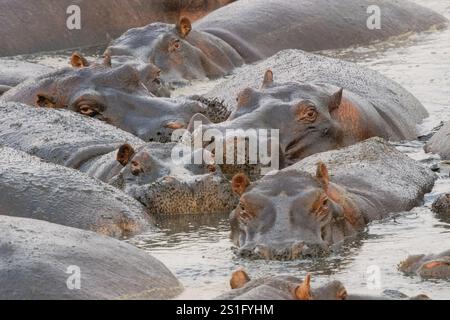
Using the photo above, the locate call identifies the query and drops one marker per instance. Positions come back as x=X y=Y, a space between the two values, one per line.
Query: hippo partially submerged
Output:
x=292 y=288
x=13 y=72
x=35 y=189
x=432 y=266
x=294 y=213
x=145 y=171
x=440 y=142
x=250 y=30
x=41 y=260
x=311 y=117
x=114 y=95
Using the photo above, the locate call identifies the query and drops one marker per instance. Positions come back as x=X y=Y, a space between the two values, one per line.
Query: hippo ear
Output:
x=240 y=183
x=239 y=278
x=303 y=290
x=322 y=175
x=125 y=154
x=78 y=61
x=45 y=101
x=184 y=27
x=268 y=79
x=335 y=100
x=107 y=59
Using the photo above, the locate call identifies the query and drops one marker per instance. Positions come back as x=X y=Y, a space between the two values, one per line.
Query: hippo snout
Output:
x=283 y=252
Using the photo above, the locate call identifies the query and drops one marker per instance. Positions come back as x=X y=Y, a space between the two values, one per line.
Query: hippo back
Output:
x=311 y=25
x=440 y=142
x=37 y=260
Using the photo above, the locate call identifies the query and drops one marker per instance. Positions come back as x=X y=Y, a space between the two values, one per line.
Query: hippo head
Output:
x=427 y=266
x=181 y=53
x=114 y=95
x=165 y=186
x=304 y=114
x=291 y=214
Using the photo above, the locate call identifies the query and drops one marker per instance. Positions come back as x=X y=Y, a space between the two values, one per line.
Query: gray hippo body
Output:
x=23 y=31
x=292 y=213
x=147 y=171
x=40 y=260
x=250 y=30
x=440 y=142
x=31 y=188
x=431 y=266
x=114 y=95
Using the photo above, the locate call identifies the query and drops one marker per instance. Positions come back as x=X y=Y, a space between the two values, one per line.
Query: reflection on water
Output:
x=198 y=250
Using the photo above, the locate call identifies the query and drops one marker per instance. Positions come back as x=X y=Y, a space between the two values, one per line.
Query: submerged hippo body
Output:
x=440 y=142
x=113 y=95
x=23 y=31
x=31 y=188
x=37 y=257
x=145 y=171
x=293 y=213
x=432 y=266
x=250 y=30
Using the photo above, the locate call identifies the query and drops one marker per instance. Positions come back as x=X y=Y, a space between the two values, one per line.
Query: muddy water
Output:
x=198 y=251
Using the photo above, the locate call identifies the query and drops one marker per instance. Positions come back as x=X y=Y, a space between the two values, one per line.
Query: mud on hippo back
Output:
x=148 y=172
x=247 y=31
x=114 y=95
x=308 y=208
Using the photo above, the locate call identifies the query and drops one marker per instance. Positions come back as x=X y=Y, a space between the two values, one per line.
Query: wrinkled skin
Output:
x=292 y=288
x=440 y=142
x=250 y=30
x=311 y=118
x=101 y=20
x=91 y=146
x=432 y=266
x=36 y=257
x=293 y=213
x=31 y=188
x=181 y=54
x=114 y=95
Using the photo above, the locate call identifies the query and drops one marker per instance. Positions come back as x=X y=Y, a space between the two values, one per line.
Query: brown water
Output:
x=198 y=251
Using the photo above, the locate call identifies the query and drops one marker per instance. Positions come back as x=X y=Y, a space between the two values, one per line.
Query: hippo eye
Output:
x=308 y=114
x=87 y=110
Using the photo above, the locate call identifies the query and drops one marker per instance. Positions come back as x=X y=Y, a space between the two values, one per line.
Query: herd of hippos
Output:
x=85 y=151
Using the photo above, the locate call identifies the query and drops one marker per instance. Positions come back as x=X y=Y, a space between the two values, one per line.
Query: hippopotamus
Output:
x=30 y=26
x=42 y=260
x=440 y=142
x=311 y=117
x=32 y=188
x=292 y=288
x=146 y=171
x=149 y=74
x=114 y=95
x=431 y=266
x=308 y=209
x=250 y=30
x=442 y=205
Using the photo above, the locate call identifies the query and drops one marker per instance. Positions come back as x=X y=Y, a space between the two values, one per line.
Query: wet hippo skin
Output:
x=318 y=202
x=431 y=266
x=22 y=30
x=32 y=188
x=37 y=260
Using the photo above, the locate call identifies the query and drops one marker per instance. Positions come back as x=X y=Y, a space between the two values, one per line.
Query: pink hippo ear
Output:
x=240 y=183
x=335 y=100
x=322 y=175
x=303 y=290
x=184 y=27
x=78 y=61
x=125 y=154
x=239 y=278
x=268 y=79
x=107 y=61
